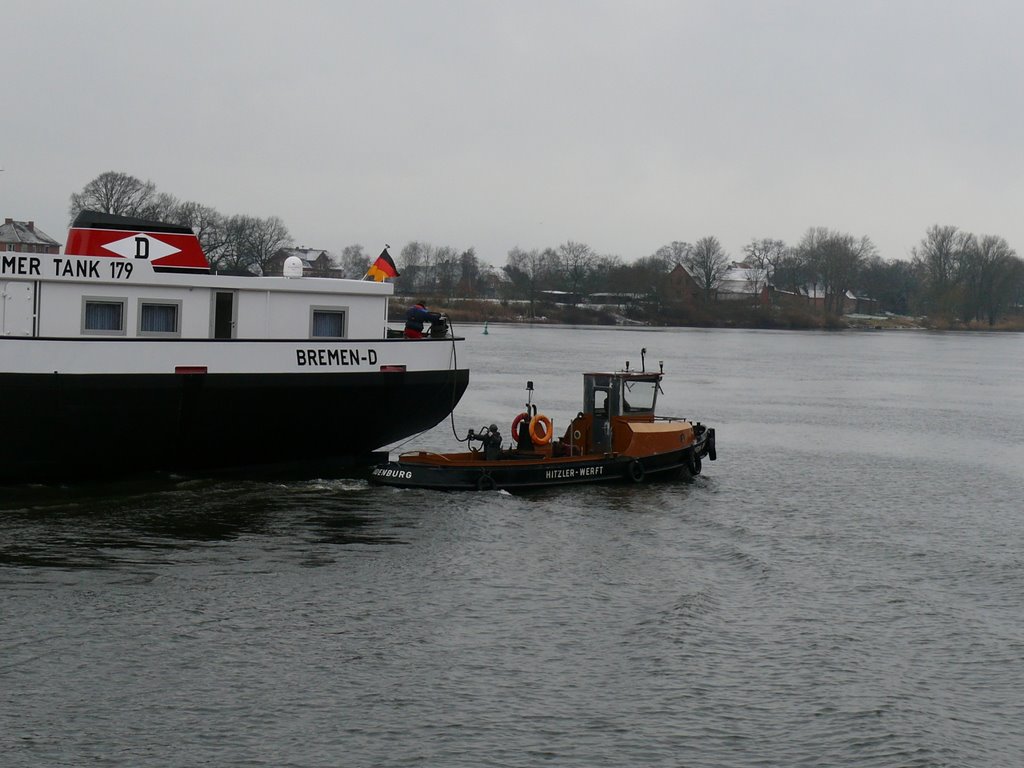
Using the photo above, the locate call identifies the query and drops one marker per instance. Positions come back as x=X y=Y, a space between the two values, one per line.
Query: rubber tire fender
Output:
x=485 y=483
x=635 y=471
x=694 y=464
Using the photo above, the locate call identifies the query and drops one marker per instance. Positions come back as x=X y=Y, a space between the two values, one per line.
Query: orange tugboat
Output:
x=616 y=436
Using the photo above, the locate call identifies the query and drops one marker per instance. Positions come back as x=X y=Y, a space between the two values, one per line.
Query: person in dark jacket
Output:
x=417 y=315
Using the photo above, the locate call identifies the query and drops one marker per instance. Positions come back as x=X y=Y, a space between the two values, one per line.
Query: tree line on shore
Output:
x=953 y=276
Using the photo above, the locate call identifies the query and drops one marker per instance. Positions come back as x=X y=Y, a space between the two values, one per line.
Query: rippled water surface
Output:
x=843 y=587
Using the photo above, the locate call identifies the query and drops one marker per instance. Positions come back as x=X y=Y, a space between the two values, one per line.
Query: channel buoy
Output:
x=485 y=327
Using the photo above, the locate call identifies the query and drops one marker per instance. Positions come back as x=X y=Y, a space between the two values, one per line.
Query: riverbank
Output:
x=718 y=316
x=714 y=316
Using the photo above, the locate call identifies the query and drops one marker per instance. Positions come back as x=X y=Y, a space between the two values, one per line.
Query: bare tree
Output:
x=235 y=258
x=487 y=280
x=354 y=262
x=792 y=272
x=707 y=263
x=761 y=256
x=577 y=262
x=469 y=273
x=251 y=242
x=526 y=270
x=606 y=273
x=674 y=253
x=835 y=258
x=647 y=274
x=209 y=227
x=895 y=284
x=162 y=207
x=967 y=276
x=941 y=257
x=446 y=269
x=117 y=193
x=989 y=276
x=416 y=266
x=429 y=269
x=266 y=237
x=1008 y=287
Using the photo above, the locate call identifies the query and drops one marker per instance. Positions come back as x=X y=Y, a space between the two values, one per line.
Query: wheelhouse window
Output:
x=639 y=396
x=159 y=318
x=327 y=322
x=103 y=316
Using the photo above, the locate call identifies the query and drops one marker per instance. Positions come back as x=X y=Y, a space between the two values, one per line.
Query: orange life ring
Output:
x=515 y=425
x=545 y=437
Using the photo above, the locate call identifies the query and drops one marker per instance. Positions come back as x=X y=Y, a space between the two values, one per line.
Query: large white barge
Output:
x=125 y=354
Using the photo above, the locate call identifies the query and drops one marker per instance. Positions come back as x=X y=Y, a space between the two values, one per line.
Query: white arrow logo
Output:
x=141 y=246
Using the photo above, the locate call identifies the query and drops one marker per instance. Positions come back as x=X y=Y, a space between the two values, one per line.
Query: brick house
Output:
x=735 y=284
x=24 y=237
x=860 y=305
x=315 y=262
x=682 y=287
x=814 y=296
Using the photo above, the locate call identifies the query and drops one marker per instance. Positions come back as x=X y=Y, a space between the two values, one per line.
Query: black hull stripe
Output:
x=65 y=427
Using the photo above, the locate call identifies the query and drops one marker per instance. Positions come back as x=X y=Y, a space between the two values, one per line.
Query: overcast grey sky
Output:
x=494 y=124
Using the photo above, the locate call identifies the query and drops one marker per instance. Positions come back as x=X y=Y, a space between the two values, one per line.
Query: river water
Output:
x=843 y=587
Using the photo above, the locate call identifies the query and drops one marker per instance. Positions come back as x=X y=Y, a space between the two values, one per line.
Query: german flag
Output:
x=382 y=268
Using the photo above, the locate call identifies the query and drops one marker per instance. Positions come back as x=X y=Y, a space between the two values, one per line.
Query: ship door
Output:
x=224 y=314
x=600 y=401
x=17 y=308
x=602 y=432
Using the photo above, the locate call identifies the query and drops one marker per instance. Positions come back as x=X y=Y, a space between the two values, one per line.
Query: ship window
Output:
x=327 y=323
x=159 y=318
x=104 y=316
x=638 y=396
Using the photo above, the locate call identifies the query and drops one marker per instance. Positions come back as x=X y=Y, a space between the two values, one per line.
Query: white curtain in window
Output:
x=328 y=324
x=103 y=316
x=159 y=318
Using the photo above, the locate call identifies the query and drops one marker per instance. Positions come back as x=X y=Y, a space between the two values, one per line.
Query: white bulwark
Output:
x=327 y=321
x=51 y=292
